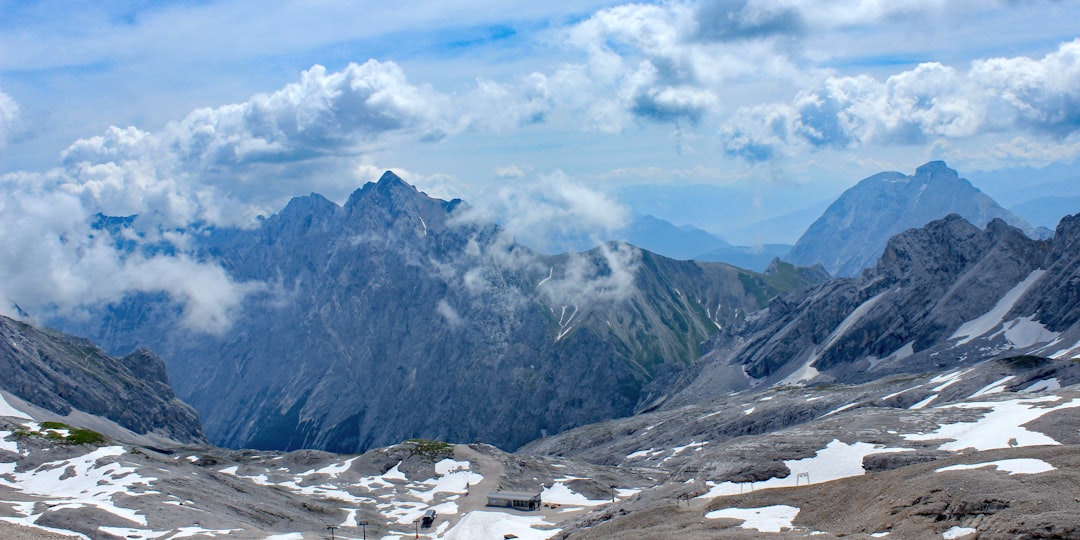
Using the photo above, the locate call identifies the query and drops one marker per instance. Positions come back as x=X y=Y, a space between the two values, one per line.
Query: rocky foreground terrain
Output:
x=987 y=451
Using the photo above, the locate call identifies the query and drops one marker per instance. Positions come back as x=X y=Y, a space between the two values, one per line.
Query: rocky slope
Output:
x=992 y=454
x=65 y=376
x=945 y=295
x=854 y=230
x=393 y=316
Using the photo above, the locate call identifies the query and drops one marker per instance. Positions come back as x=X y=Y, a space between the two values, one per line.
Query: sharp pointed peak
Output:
x=390 y=178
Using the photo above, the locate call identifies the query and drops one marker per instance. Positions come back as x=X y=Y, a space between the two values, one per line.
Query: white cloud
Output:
x=52 y=262
x=552 y=214
x=932 y=100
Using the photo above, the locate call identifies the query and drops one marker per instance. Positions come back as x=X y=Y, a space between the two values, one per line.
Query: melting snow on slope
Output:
x=948 y=379
x=1025 y=332
x=995 y=387
x=559 y=493
x=1011 y=466
x=1046 y=385
x=332 y=470
x=922 y=404
x=993 y=318
x=7 y=410
x=957 y=532
x=998 y=428
x=837 y=460
x=80 y=481
x=765 y=519
x=499 y=525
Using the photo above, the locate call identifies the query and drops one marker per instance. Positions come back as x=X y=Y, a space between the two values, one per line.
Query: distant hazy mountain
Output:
x=756 y=258
x=779 y=230
x=1054 y=180
x=390 y=317
x=1047 y=211
x=852 y=232
x=664 y=238
x=721 y=208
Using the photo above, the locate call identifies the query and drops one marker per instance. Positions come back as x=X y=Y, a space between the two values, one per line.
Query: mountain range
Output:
x=396 y=316
x=933 y=394
x=969 y=429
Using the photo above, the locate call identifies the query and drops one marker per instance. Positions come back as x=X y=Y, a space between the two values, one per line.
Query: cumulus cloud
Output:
x=552 y=214
x=1039 y=96
x=218 y=166
x=52 y=262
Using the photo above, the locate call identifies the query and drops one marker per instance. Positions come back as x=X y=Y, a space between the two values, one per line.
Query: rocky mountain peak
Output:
x=935 y=169
x=850 y=236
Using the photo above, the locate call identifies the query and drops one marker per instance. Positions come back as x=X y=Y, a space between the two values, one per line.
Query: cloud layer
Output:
x=1039 y=97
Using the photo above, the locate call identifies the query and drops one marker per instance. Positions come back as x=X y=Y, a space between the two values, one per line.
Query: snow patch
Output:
x=1002 y=427
x=1011 y=466
x=1025 y=332
x=995 y=387
x=765 y=519
x=837 y=460
x=7 y=410
x=922 y=404
x=957 y=532
x=499 y=525
x=993 y=318
x=1046 y=385
x=448 y=466
x=558 y=493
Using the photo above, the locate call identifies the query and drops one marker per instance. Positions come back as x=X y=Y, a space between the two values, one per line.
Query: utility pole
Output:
x=364 y=525
x=331 y=529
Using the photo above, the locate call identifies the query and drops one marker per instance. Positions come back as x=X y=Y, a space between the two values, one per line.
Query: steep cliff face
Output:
x=943 y=295
x=62 y=373
x=394 y=316
x=851 y=234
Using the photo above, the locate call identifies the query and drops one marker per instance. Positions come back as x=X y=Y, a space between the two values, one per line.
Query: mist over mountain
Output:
x=850 y=235
x=397 y=315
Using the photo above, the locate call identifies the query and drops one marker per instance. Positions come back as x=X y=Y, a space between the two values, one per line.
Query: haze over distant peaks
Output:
x=850 y=236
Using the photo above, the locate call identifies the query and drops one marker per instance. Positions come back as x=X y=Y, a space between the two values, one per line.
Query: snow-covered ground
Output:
x=1001 y=427
x=1011 y=466
x=765 y=519
x=837 y=460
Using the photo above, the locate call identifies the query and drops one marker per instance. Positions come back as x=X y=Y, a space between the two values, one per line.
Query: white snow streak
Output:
x=993 y=318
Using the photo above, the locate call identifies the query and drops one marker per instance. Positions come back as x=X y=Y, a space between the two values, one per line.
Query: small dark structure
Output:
x=428 y=519
x=522 y=500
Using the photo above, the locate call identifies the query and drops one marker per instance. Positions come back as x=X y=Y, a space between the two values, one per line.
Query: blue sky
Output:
x=219 y=111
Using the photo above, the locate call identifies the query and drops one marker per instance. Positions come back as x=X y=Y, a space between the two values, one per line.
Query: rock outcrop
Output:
x=62 y=373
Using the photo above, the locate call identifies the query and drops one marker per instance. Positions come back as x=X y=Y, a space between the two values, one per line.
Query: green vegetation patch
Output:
x=434 y=450
x=55 y=431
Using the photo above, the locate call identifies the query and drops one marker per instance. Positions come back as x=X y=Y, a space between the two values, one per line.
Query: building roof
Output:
x=514 y=495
